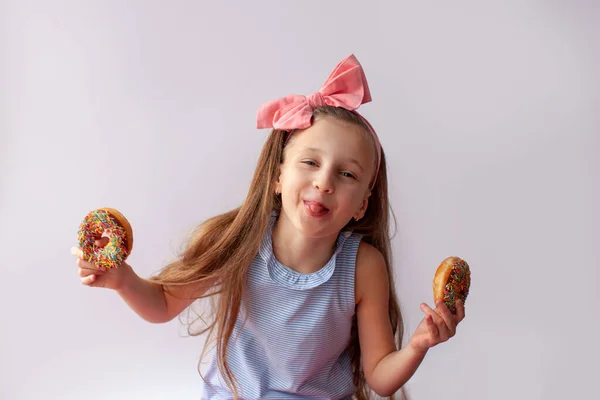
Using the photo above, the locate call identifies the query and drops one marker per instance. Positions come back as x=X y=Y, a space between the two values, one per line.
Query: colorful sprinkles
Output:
x=100 y=223
x=458 y=285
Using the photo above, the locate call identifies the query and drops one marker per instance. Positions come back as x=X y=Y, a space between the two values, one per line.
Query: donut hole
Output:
x=102 y=240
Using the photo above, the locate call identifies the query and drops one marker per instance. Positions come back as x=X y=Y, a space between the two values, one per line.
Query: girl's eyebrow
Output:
x=350 y=160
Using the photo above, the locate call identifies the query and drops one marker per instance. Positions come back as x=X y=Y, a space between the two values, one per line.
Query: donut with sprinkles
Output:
x=110 y=223
x=452 y=281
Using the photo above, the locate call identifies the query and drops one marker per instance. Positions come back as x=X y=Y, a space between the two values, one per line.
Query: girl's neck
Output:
x=298 y=252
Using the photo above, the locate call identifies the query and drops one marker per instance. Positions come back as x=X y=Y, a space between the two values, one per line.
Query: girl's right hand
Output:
x=91 y=275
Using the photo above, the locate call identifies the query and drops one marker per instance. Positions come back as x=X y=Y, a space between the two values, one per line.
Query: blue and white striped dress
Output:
x=293 y=342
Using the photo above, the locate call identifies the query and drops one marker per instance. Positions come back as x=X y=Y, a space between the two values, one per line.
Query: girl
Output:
x=301 y=272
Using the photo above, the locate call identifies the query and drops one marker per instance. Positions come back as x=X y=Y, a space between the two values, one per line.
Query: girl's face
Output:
x=324 y=179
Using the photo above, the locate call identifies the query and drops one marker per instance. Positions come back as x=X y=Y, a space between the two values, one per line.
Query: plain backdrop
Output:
x=488 y=113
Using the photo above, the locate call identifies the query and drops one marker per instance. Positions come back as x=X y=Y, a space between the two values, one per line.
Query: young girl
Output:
x=301 y=272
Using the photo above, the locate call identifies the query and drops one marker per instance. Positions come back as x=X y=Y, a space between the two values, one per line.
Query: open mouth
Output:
x=315 y=209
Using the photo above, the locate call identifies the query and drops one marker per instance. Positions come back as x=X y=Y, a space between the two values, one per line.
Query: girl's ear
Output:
x=363 y=207
x=278 y=181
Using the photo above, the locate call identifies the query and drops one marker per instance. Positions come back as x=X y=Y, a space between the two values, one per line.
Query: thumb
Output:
x=103 y=241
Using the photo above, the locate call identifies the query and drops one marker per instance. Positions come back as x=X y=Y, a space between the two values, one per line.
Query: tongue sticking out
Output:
x=316 y=207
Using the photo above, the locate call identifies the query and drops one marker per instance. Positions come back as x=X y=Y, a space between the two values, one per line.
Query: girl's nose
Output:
x=323 y=182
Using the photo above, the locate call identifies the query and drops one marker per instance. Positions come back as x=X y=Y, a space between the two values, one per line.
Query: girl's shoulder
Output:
x=371 y=271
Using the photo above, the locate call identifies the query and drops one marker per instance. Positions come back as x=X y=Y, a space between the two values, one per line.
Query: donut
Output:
x=452 y=282
x=110 y=223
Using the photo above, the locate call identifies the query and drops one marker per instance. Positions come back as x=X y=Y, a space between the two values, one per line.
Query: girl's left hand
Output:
x=438 y=326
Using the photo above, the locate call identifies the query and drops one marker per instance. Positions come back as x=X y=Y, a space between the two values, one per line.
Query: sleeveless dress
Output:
x=291 y=335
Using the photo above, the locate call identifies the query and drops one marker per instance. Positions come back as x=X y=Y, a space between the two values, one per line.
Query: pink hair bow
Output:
x=345 y=87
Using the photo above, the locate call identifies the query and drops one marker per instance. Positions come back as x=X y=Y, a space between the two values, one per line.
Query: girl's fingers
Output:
x=431 y=327
x=103 y=241
x=88 y=271
x=449 y=319
x=88 y=280
x=438 y=320
x=427 y=310
x=76 y=251
x=87 y=265
x=83 y=272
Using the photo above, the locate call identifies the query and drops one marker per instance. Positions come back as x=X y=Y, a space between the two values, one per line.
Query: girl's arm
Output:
x=151 y=301
x=387 y=369
x=147 y=298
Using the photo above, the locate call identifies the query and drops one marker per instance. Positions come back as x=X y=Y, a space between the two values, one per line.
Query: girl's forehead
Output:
x=326 y=132
x=337 y=144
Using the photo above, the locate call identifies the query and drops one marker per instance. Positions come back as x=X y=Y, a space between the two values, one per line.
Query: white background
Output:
x=488 y=113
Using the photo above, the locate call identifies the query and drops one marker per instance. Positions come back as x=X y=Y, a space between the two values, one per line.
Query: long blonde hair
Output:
x=223 y=247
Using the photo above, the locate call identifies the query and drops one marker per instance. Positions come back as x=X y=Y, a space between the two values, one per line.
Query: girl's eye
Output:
x=344 y=174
